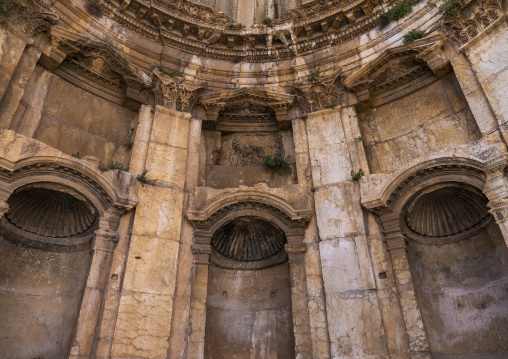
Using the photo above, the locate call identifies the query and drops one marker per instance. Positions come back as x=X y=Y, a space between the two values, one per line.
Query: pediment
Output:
x=248 y=104
x=399 y=70
x=96 y=67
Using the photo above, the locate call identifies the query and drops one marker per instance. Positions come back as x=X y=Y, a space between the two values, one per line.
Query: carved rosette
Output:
x=462 y=28
x=174 y=92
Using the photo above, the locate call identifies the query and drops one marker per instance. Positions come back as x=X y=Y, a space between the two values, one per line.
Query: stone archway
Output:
x=214 y=258
x=449 y=258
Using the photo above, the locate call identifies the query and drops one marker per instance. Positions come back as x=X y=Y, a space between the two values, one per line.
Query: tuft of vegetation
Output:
x=117 y=166
x=315 y=75
x=450 y=7
x=170 y=73
x=332 y=105
x=5 y=6
x=94 y=9
x=400 y=10
x=76 y=155
x=356 y=176
x=143 y=179
x=268 y=21
x=277 y=164
x=130 y=145
x=362 y=140
x=413 y=35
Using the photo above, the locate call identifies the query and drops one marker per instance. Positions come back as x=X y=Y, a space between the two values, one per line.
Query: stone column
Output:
x=146 y=304
x=302 y=152
x=352 y=309
x=299 y=301
x=103 y=248
x=474 y=94
x=142 y=139
x=19 y=79
x=179 y=334
x=109 y=313
x=201 y=250
x=496 y=190
x=396 y=244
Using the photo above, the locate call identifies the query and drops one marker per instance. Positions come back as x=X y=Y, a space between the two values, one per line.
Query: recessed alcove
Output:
x=459 y=265
x=248 y=306
x=45 y=245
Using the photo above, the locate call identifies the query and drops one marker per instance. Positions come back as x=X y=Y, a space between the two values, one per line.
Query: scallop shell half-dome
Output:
x=248 y=239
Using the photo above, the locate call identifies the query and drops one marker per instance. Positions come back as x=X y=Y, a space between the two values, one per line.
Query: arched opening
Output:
x=248 y=306
x=459 y=266
x=45 y=242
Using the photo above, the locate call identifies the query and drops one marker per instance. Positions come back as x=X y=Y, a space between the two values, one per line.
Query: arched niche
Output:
x=449 y=259
x=248 y=305
x=54 y=209
x=249 y=279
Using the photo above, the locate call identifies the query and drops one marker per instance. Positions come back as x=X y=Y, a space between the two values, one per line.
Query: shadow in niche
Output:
x=459 y=264
x=248 y=307
x=45 y=248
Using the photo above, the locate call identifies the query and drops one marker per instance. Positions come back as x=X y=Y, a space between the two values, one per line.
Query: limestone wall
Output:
x=426 y=121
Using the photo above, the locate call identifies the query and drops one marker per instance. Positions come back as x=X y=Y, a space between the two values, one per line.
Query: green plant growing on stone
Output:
x=413 y=35
x=277 y=164
x=268 y=21
x=117 y=166
x=315 y=75
x=450 y=7
x=332 y=106
x=143 y=179
x=5 y=6
x=401 y=9
x=356 y=176
x=76 y=155
x=362 y=140
x=130 y=145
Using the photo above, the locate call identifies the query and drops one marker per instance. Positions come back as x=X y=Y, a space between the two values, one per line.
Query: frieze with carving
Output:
x=472 y=19
x=207 y=32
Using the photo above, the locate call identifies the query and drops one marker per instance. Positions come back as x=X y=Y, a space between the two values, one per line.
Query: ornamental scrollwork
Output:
x=174 y=92
x=32 y=18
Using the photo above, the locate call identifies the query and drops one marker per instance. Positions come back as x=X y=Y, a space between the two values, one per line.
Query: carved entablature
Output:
x=400 y=70
x=175 y=92
x=261 y=110
x=31 y=17
x=472 y=19
x=96 y=67
x=319 y=91
x=204 y=31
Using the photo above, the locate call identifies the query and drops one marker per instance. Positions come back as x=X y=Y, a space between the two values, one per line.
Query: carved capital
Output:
x=174 y=92
x=105 y=240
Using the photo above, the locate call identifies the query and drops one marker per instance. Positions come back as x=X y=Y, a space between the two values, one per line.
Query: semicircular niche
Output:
x=446 y=211
x=50 y=212
x=248 y=239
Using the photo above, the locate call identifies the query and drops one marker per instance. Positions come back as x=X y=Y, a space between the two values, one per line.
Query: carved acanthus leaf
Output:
x=174 y=92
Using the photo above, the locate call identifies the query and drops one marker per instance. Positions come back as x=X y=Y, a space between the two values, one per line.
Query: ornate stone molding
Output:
x=31 y=17
x=202 y=30
x=96 y=67
x=174 y=92
x=400 y=70
x=317 y=92
x=472 y=19
x=279 y=103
